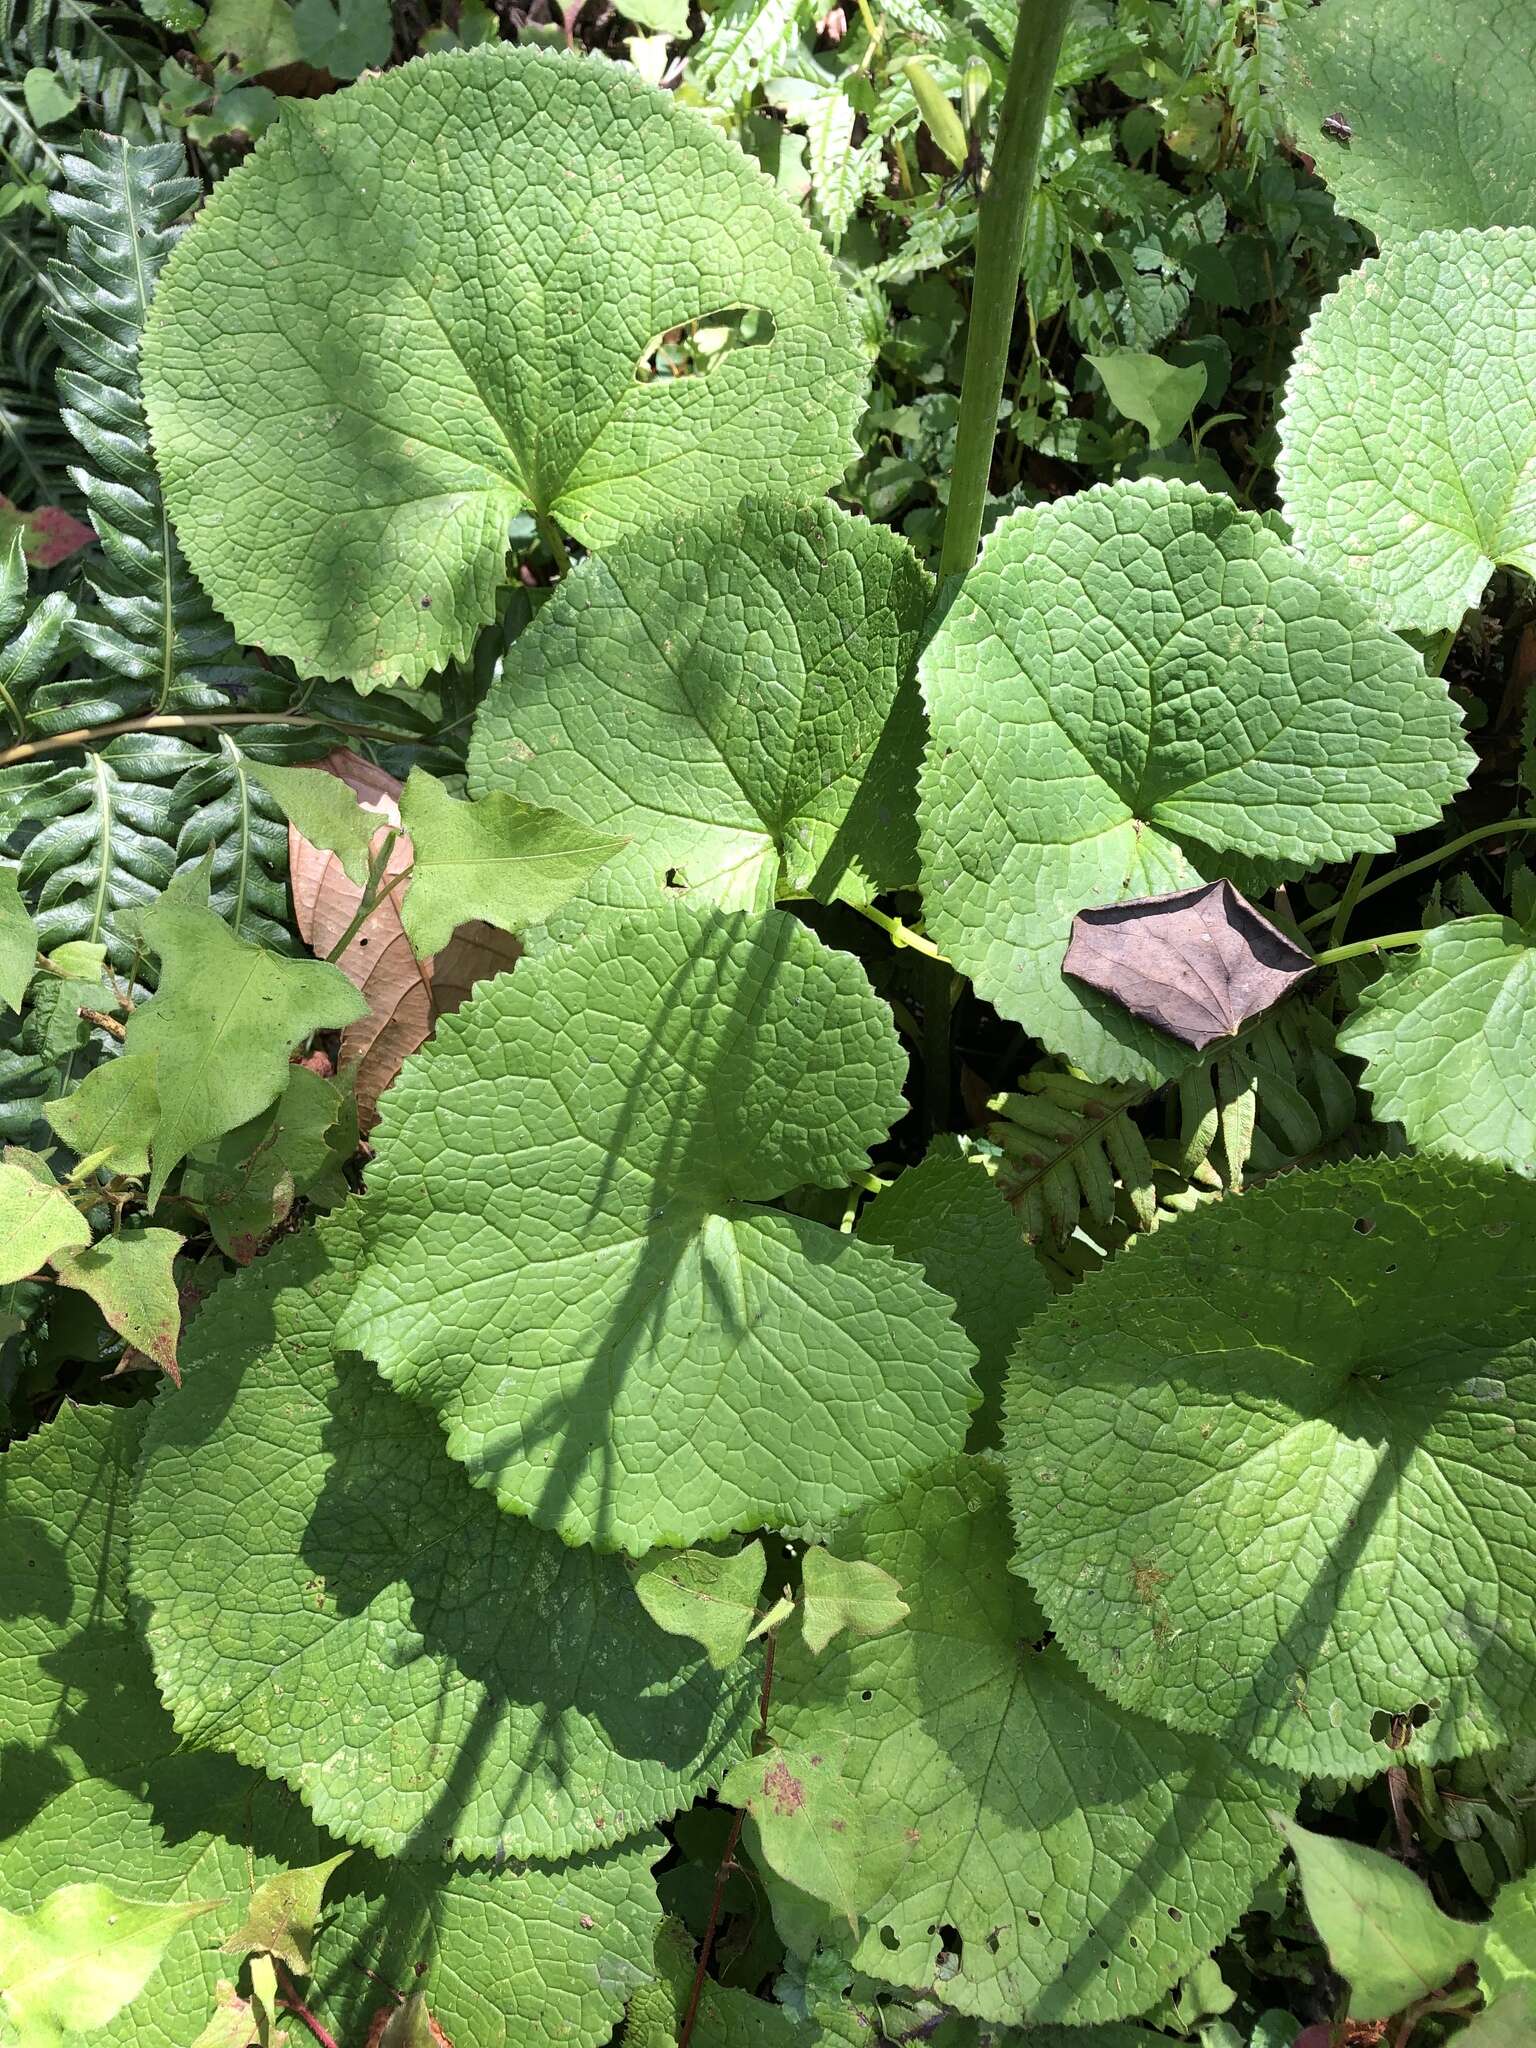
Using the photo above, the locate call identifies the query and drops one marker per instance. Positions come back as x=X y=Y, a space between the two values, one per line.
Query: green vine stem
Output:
x=1335 y=954
x=1425 y=860
x=373 y=895
x=999 y=250
x=898 y=933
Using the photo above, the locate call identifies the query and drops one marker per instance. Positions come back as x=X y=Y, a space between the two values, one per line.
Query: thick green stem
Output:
x=1353 y=952
x=999 y=248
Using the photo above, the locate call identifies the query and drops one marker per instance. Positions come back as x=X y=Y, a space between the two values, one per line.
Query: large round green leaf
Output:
x=98 y=1786
x=1137 y=688
x=566 y=1257
x=736 y=698
x=1084 y=1856
x=330 y=1600
x=1408 y=441
x=422 y=305
x=1447 y=1035
x=1272 y=1467
x=1439 y=103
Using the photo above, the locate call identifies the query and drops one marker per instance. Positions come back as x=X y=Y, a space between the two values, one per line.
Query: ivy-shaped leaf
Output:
x=130 y=1275
x=712 y=1600
x=508 y=862
x=434 y=1677
x=344 y=436
x=1085 y=1857
x=38 y=1221
x=1437 y=104
x=98 y=1784
x=223 y=1024
x=1271 y=1465
x=1446 y=1036
x=568 y=1258
x=1136 y=689
x=112 y=1115
x=1408 y=440
x=72 y=1963
x=1384 y=1933
x=734 y=697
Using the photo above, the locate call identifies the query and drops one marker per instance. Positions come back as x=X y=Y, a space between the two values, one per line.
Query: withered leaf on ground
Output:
x=1198 y=963
x=405 y=995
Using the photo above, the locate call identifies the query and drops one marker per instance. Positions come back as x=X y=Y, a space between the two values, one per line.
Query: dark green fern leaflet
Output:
x=155 y=641
x=104 y=55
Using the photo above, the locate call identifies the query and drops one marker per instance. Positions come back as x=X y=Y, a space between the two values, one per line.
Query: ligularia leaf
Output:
x=470 y=1686
x=1446 y=1034
x=1086 y=1857
x=425 y=304
x=99 y=1783
x=1408 y=441
x=734 y=696
x=1439 y=103
x=1271 y=1467
x=947 y=1216
x=567 y=1259
x=1138 y=688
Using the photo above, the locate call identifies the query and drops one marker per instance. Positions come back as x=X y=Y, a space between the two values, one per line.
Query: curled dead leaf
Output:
x=405 y=995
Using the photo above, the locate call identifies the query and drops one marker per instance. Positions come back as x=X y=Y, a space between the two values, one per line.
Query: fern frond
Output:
x=154 y=639
x=219 y=809
x=1073 y=1158
x=34 y=639
x=105 y=836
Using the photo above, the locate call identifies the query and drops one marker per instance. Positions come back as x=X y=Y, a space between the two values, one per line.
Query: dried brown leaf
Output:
x=1198 y=963
x=405 y=995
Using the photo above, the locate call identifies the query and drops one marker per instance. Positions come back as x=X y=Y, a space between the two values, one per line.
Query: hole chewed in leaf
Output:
x=700 y=346
x=1198 y=964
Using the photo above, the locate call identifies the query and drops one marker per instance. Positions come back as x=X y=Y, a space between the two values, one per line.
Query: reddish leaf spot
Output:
x=784 y=1789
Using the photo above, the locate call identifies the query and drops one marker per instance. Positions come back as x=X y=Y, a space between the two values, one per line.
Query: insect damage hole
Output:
x=698 y=347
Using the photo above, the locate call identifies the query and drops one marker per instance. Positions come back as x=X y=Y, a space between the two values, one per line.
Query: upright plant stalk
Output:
x=999 y=249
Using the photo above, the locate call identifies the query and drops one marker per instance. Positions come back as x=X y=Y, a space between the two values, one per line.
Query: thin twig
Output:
x=182 y=721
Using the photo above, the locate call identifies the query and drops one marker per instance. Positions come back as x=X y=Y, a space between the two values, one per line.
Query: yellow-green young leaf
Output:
x=1383 y=1931
x=937 y=110
x=247 y=1183
x=263 y=1975
x=712 y=1600
x=847 y=1593
x=324 y=810
x=18 y=942
x=1510 y=2022
x=131 y=1279
x=232 y=2024
x=282 y=1916
x=806 y=1824
x=224 y=1021
x=499 y=859
x=37 y=1219
x=112 y=1115
x=1157 y=395
x=75 y=1962
x=355 y=370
